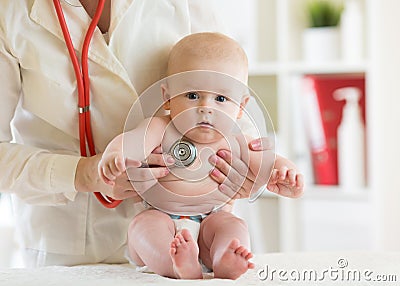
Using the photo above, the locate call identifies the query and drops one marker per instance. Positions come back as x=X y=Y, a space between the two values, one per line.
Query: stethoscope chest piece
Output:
x=184 y=153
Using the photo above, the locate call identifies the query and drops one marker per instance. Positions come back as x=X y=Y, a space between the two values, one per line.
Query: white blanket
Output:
x=335 y=268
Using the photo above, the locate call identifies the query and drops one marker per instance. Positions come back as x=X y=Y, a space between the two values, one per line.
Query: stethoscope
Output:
x=184 y=152
x=83 y=82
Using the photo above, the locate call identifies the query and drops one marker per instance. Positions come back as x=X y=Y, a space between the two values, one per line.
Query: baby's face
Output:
x=203 y=116
x=205 y=96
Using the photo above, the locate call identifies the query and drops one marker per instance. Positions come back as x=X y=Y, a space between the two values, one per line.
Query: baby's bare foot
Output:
x=233 y=262
x=184 y=253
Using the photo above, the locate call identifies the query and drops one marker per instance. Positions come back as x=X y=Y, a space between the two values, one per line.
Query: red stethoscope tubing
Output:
x=83 y=82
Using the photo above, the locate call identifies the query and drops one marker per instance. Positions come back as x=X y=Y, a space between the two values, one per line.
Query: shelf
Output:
x=326 y=68
x=273 y=69
x=300 y=67
x=334 y=193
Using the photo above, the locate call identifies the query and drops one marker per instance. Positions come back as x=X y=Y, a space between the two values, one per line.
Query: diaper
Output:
x=191 y=223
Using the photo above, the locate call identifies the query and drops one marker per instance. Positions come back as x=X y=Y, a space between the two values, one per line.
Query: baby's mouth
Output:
x=205 y=124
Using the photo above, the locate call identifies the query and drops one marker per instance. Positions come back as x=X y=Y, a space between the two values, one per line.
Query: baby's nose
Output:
x=204 y=109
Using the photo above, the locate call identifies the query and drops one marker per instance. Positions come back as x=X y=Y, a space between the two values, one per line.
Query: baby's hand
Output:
x=113 y=165
x=286 y=182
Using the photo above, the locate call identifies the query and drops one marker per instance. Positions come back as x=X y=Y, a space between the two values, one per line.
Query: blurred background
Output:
x=306 y=58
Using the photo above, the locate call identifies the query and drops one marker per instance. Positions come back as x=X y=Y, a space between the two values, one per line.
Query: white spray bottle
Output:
x=351 y=141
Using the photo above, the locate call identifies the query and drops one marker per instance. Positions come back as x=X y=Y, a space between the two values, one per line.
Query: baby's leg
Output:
x=224 y=245
x=149 y=241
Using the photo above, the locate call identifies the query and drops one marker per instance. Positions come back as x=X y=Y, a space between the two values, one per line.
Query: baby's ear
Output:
x=243 y=103
x=166 y=96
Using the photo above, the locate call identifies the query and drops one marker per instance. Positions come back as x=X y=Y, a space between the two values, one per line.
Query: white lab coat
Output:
x=39 y=147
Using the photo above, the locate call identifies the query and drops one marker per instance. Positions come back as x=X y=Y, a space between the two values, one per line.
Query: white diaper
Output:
x=192 y=226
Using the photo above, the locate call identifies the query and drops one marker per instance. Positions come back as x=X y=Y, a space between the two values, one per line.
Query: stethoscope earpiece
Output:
x=184 y=153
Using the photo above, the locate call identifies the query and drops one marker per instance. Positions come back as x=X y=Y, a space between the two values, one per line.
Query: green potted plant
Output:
x=321 y=40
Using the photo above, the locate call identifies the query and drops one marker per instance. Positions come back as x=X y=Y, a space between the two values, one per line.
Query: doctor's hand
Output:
x=154 y=168
x=233 y=175
x=88 y=178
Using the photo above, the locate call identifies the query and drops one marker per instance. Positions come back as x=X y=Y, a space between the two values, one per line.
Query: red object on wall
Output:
x=324 y=154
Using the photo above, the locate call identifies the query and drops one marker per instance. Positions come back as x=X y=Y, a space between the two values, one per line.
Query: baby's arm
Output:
x=285 y=179
x=138 y=142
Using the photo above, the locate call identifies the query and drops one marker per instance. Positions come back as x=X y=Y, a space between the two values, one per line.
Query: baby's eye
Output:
x=220 y=98
x=192 y=95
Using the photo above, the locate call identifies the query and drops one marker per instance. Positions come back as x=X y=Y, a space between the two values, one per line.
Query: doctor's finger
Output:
x=119 y=193
x=236 y=163
x=123 y=188
x=222 y=180
x=131 y=163
x=240 y=193
x=232 y=193
x=232 y=167
x=261 y=144
x=242 y=190
x=125 y=194
x=146 y=174
x=160 y=160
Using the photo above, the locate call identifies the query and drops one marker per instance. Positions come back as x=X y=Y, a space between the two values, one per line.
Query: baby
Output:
x=190 y=218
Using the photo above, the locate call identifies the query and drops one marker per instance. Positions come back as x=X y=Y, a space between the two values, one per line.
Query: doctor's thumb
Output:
x=131 y=163
x=261 y=144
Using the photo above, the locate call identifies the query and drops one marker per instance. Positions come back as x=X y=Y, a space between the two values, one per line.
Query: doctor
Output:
x=58 y=218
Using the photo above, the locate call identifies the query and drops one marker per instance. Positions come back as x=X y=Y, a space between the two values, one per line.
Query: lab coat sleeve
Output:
x=34 y=175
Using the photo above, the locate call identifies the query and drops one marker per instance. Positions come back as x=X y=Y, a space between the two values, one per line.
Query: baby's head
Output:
x=206 y=89
x=209 y=51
